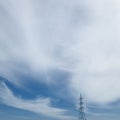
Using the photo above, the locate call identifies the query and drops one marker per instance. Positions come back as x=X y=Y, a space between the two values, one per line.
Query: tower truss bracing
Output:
x=81 y=109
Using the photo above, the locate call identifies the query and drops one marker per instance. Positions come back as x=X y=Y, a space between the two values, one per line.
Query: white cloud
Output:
x=81 y=37
x=97 y=70
x=40 y=105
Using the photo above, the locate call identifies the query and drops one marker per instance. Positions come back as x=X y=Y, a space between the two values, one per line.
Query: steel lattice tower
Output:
x=81 y=109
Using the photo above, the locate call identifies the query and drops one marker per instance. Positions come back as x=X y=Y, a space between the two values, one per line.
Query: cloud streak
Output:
x=40 y=105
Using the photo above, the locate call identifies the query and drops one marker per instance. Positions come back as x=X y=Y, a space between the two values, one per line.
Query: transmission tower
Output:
x=81 y=109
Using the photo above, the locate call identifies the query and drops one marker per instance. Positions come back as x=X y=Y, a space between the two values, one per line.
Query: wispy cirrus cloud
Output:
x=40 y=105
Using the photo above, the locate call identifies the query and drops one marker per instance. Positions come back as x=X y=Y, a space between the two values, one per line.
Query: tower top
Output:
x=81 y=98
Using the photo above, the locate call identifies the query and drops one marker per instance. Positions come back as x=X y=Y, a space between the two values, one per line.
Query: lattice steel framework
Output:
x=82 y=115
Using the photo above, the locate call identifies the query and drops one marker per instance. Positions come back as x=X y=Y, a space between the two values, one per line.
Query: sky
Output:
x=53 y=50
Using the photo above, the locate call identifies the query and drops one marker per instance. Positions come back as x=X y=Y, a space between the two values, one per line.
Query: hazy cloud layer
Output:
x=81 y=37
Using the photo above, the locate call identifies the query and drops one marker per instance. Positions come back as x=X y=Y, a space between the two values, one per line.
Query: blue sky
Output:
x=53 y=50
